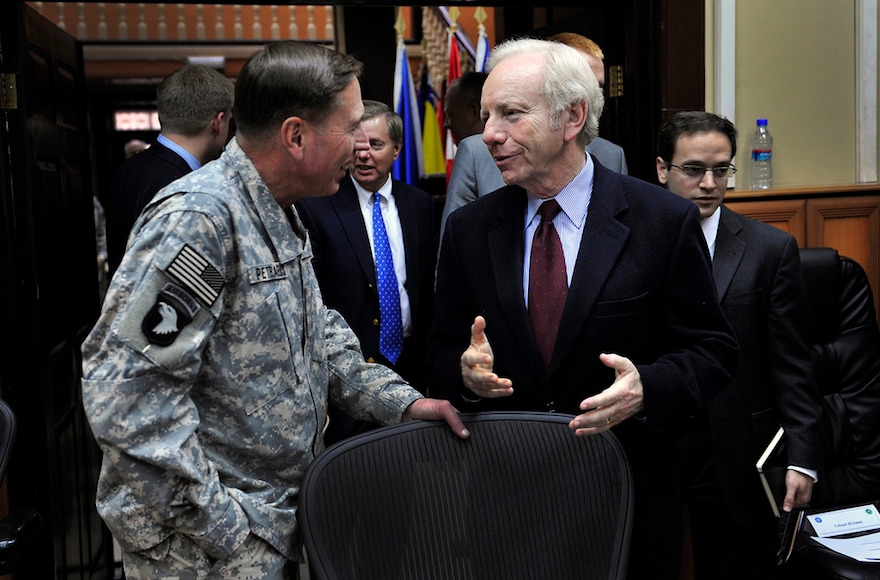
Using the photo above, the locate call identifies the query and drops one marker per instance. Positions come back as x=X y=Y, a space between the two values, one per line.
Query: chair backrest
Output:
x=846 y=354
x=523 y=497
x=8 y=429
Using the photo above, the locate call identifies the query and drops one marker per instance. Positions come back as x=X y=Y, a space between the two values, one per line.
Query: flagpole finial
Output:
x=400 y=25
x=480 y=16
x=453 y=19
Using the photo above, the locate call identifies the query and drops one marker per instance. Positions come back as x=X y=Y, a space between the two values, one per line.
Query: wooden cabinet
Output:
x=846 y=218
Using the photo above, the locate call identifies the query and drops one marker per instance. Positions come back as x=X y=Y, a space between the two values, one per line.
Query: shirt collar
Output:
x=366 y=197
x=571 y=198
x=710 y=229
x=187 y=156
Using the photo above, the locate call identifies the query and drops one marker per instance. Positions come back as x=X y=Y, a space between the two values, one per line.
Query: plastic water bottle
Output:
x=761 y=174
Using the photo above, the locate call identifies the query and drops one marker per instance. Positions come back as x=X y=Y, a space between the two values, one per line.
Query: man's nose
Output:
x=491 y=132
x=708 y=180
x=360 y=140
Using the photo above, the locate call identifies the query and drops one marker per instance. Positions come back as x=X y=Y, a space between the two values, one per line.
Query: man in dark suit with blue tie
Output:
x=195 y=107
x=762 y=292
x=641 y=345
x=346 y=233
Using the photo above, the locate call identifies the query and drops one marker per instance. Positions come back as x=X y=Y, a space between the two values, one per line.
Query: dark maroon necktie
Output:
x=548 y=283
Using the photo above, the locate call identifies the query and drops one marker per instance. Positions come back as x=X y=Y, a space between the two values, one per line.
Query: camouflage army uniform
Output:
x=207 y=376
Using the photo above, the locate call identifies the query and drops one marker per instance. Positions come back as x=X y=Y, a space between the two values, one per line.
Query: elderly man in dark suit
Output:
x=628 y=336
x=195 y=107
x=759 y=283
x=343 y=236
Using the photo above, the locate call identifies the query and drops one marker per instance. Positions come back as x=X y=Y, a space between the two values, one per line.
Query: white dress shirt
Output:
x=395 y=240
x=574 y=199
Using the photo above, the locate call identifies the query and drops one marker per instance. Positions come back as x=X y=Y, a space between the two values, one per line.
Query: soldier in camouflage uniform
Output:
x=207 y=376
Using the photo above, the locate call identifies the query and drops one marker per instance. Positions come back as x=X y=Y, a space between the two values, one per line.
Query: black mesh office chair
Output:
x=522 y=498
x=19 y=526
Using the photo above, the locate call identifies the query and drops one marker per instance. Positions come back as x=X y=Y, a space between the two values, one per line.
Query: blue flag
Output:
x=482 y=51
x=409 y=166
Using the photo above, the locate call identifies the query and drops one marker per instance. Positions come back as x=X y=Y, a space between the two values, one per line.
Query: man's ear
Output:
x=294 y=135
x=662 y=168
x=217 y=122
x=574 y=123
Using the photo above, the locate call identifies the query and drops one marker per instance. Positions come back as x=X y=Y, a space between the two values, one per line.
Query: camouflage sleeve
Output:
x=371 y=392
x=140 y=363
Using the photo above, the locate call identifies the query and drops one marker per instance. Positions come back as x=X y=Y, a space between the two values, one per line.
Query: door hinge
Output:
x=615 y=85
x=8 y=92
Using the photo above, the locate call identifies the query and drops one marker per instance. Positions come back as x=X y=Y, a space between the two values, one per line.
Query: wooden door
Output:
x=49 y=289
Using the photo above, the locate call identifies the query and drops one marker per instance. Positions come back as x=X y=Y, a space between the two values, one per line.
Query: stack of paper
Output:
x=856 y=523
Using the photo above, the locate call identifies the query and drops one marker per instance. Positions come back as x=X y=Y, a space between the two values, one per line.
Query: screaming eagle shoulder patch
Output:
x=173 y=310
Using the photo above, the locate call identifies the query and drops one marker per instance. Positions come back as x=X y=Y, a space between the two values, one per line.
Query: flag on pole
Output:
x=409 y=165
x=482 y=51
x=482 y=54
x=432 y=145
x=453 y=73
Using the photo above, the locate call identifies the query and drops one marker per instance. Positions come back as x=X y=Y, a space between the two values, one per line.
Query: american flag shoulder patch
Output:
x=194 y=272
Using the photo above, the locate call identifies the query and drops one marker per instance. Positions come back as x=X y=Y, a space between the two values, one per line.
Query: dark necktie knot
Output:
x=548 y=210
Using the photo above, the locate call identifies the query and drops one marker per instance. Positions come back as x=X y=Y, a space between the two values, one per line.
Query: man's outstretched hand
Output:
x=477 y=363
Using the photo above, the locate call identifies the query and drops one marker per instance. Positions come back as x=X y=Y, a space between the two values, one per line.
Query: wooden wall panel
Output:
x=852 y=226
x=843 y=217
x=789 y=215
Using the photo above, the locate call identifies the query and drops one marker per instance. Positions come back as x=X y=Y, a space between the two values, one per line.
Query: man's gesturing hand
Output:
x=477 y=363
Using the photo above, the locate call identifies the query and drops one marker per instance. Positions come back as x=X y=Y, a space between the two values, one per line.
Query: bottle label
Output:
x=761 y=154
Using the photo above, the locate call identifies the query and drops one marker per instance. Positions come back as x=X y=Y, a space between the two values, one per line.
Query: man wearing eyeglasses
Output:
x=759 y=284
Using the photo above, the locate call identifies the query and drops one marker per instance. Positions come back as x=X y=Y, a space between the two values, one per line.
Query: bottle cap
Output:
x=762 y=122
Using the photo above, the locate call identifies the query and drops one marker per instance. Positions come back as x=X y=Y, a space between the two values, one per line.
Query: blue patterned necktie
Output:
x=390 y=324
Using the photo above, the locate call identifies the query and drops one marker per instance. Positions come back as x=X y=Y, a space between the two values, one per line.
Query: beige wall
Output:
x=796 y=66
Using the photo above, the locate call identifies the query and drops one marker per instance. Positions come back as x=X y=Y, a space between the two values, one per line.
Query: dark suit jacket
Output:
x=758 y=278
x=344 y=264
x=642 y=288
x=135 y=183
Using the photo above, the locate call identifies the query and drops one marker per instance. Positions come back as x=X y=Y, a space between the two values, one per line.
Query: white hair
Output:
x=568 y=80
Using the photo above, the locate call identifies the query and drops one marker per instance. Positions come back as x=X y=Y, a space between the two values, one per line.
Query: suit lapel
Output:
x=348 y=210
x=506 y=250
x=729 y=250
x=602 y=241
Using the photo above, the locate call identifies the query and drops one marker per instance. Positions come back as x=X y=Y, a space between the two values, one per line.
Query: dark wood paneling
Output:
x=843 y=217
x=50 y=277
x=789 y=215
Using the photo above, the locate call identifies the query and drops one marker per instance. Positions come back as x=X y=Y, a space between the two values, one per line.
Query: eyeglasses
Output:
x=697 y=171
